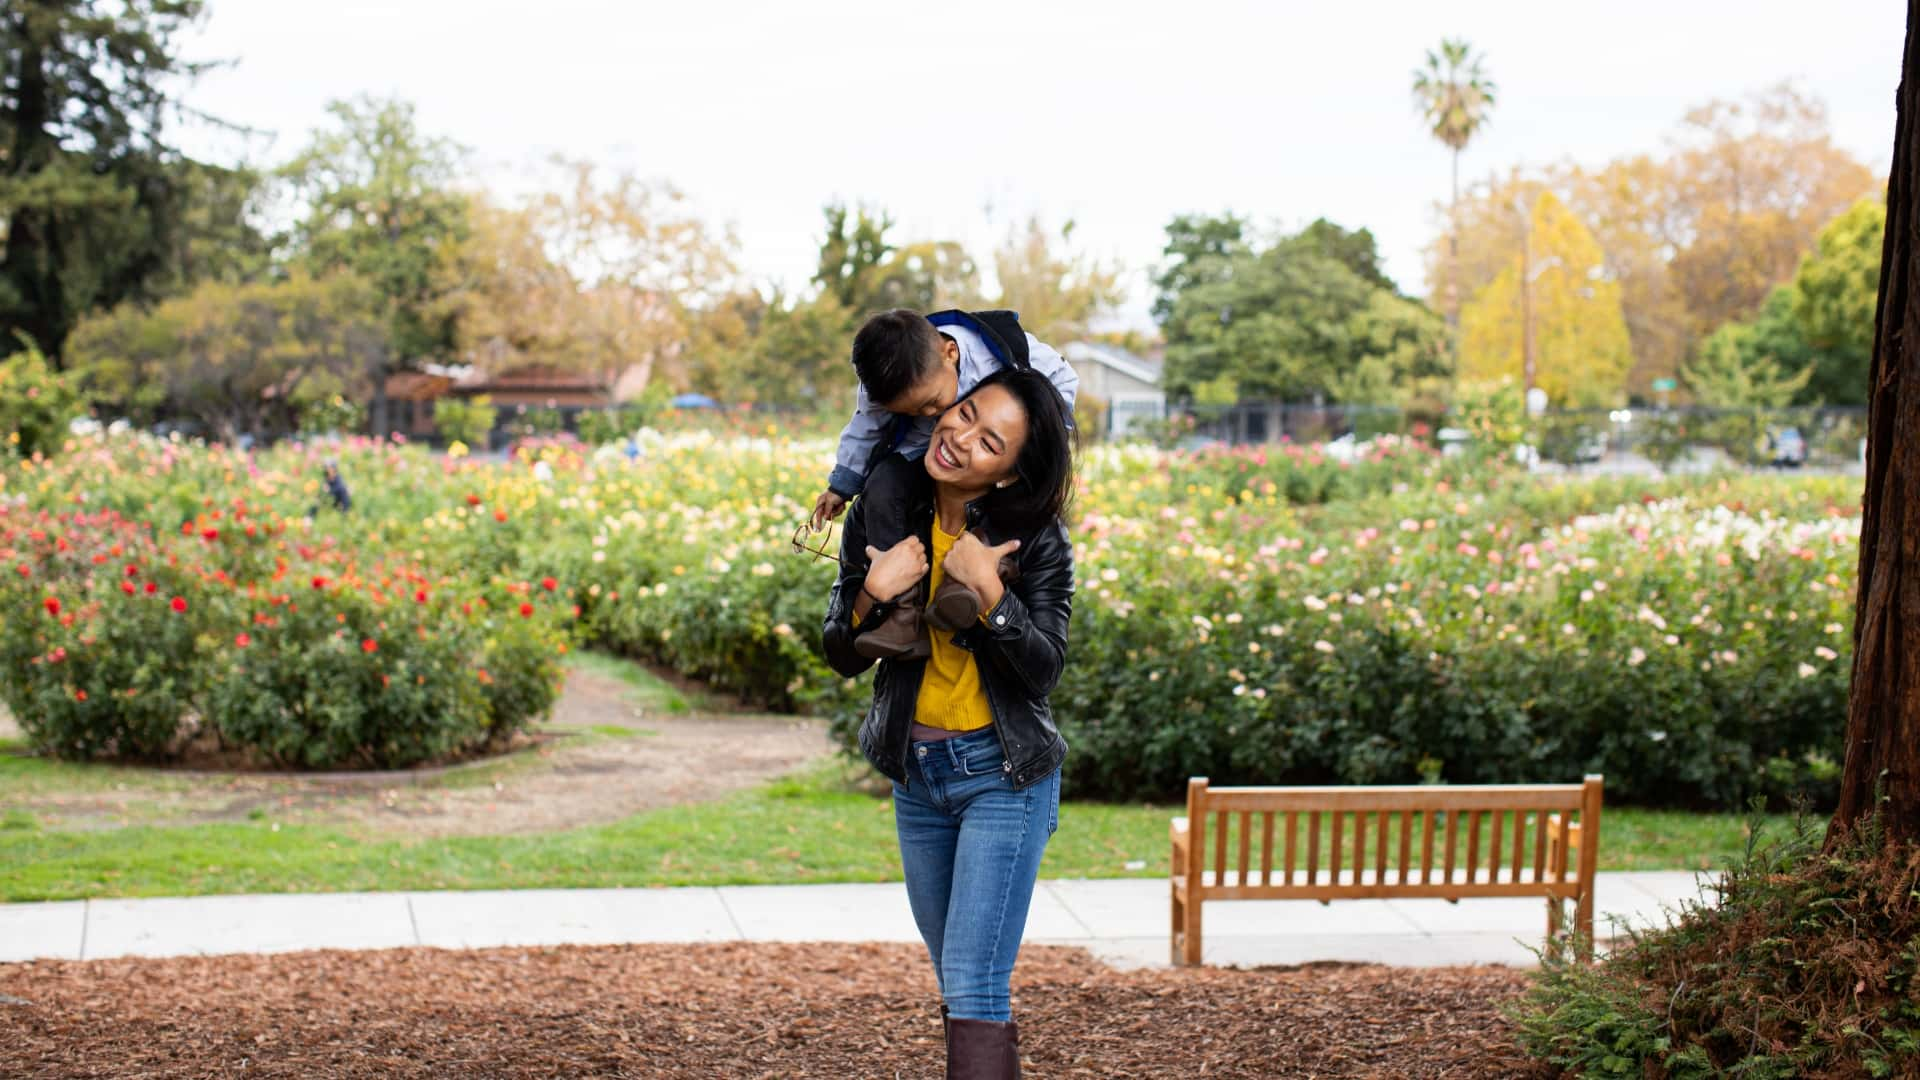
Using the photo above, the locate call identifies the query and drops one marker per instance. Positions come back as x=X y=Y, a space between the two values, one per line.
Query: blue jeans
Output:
x=970 y=844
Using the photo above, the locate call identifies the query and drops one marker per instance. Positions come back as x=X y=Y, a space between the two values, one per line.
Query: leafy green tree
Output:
x=1833 y=302
x=1200 y=251
x=1732 y=374
x=380 y=204
x=1821 y=322
x=926 y=276
x=241 y=359
x=854 y=247
x=772 y=350
x=1353 y=249
x=465 y=420
x=1293 y=321
x=92 y=201
x=37 y=404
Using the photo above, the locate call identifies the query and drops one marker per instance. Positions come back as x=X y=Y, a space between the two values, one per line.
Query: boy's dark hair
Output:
x=1043 y=471
x=893 y=351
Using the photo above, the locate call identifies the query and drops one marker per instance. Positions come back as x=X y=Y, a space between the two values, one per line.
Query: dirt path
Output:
x=743 y=1010
x=606 y=754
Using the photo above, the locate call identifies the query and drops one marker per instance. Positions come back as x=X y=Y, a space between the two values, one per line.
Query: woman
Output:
x=966 y=735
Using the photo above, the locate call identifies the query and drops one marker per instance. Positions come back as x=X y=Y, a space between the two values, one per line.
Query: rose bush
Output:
x=307 y=651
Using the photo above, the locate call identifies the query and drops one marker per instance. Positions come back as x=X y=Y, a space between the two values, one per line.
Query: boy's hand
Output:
x=973 y=564
x=895 y=570
x=826 y=508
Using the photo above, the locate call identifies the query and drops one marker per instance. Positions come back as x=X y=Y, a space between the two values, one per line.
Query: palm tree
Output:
x=1454 y=96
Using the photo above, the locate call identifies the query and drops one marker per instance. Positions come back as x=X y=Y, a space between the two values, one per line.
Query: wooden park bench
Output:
x=1434 y=813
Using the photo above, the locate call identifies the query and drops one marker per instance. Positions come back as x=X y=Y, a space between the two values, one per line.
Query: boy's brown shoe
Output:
x=902 y=633
x=955 y=606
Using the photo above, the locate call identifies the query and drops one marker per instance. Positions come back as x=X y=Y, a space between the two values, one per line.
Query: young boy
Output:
x=912 y=368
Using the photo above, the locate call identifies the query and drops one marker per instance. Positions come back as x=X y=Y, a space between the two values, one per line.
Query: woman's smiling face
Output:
x=977 y=442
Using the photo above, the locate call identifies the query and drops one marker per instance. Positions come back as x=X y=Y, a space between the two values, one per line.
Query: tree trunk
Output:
x=1883 y=707
x=1453 y=253
x=30 y=258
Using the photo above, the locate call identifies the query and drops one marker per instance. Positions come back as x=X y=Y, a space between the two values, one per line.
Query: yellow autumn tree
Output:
x=1581 y=352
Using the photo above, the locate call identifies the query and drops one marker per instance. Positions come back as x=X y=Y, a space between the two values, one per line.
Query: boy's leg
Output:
x=886 y=498
x=888 y=493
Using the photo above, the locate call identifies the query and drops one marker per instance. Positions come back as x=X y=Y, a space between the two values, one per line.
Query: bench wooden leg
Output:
x=1583 y=920
x=1190 y=934
x=1179 y=923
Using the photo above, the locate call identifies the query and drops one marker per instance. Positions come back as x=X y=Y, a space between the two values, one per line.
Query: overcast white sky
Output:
x=958 y=118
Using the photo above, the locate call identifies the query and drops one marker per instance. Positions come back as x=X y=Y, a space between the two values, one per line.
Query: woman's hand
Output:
x=973 y=564
x=897 y=569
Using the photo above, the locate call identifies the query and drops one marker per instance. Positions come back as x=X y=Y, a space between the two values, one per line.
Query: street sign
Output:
x=1663 y=386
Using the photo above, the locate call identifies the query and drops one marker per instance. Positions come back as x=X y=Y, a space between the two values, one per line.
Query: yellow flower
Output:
x=456 y=449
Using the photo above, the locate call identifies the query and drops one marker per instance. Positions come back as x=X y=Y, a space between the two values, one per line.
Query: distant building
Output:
x=1128 y=384
x=410 y=398
x=411 y=395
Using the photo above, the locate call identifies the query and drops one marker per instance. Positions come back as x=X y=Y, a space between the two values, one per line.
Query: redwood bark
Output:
x=1882 y=764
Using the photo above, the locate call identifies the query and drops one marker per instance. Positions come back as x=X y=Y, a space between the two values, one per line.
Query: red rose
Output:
x=179 y=604
x=24 y=570
x=152 y=588
x=242 y=640
x=472 y=499
x=549 y=584
x=499 y=515
x=79 y=695
x=210 y=534
x=52 y=605
x=369 y=645
x=420 y=597
x=127 y=587
x=132 y=570
x=319 y=583
x=526 y=611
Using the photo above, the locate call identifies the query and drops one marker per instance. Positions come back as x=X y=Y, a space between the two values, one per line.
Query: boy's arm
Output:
x=857 y=441
x=1043 y=359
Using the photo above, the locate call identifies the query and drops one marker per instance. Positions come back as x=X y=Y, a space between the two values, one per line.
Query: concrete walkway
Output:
x=1122 y=921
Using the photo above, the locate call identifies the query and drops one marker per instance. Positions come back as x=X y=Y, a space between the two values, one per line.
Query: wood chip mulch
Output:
x=746 y=1010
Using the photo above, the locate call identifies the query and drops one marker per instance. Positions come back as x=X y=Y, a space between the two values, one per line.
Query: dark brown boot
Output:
x=982 y=1050
x=955 y=607
x=901 y=636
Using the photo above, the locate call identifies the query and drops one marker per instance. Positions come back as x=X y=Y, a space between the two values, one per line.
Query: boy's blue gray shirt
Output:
x=871 y=422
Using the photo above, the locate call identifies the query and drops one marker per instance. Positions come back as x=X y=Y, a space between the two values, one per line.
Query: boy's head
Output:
x=906 y=365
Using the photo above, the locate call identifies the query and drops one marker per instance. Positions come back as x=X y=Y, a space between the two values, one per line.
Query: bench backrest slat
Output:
x=1426 y=848
x=1266 y=849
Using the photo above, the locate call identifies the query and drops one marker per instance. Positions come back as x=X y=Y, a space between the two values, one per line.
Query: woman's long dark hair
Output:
x=1042 y=485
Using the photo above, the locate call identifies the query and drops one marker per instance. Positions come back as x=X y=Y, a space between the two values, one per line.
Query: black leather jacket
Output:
x=1020 y=650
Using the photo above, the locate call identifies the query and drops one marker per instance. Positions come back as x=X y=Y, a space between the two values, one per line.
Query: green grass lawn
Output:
x=805 y=828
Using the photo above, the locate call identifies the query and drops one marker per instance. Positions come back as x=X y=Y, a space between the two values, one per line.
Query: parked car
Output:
x=1787 y=448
